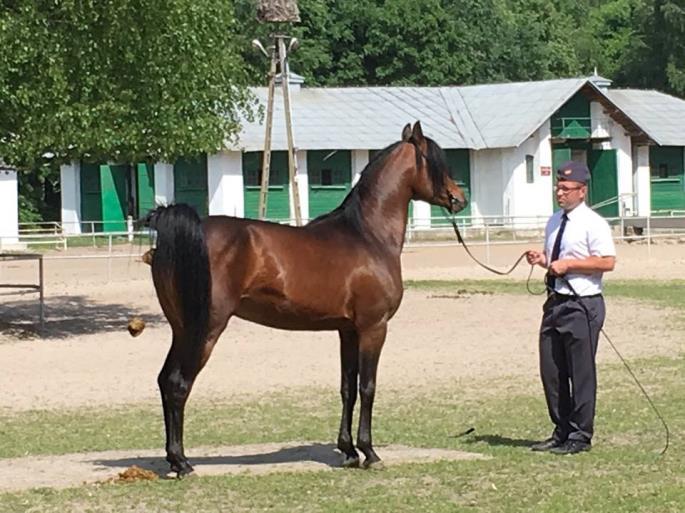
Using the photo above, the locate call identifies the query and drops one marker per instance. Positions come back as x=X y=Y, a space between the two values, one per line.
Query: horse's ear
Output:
x=417 y=133
x=406 y=132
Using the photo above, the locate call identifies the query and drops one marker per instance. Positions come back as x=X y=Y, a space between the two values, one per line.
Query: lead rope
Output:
x=587 y=316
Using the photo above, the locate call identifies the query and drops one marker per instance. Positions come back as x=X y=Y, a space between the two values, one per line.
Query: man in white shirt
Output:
x=578 y=250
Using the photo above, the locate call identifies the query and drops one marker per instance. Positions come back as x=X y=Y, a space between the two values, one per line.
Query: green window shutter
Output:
x=667 y=178
x=91 y=199
x=604 y=181
x=113 y=180
x=145 y=184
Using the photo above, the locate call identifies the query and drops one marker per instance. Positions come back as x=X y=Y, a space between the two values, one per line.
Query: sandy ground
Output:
x=434 y=340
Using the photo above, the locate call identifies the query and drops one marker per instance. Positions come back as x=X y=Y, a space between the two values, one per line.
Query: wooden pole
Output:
x=292 y=160
x=266 y=157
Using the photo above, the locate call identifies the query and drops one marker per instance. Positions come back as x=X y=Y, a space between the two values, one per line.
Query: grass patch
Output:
x=622 y=474
x=666 y=293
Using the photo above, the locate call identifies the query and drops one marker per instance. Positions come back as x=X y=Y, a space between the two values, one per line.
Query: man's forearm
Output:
x=591 y=265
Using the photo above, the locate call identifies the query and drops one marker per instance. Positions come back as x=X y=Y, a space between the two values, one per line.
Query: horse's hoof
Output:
x=348 y=462
x=186 y=474
x=182 y=469
x=374 y=465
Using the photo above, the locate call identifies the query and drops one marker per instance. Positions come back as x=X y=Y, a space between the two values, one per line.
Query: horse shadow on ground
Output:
x=325 y=454
x=67 y=316
x=498 y=440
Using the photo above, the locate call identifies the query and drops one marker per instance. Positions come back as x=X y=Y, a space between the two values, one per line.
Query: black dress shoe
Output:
x=571 y=447
x=546 y=445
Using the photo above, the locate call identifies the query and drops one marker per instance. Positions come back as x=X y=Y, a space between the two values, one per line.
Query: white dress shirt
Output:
x=586 y=234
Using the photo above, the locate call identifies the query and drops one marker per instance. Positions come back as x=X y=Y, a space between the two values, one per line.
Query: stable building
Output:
x=502 y=142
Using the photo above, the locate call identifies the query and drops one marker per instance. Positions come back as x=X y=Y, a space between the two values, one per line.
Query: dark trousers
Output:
x=568 y=345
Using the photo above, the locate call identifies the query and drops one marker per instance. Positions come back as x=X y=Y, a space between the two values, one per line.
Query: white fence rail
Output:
x=481 y=230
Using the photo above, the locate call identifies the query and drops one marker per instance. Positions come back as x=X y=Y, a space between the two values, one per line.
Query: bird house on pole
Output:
x=278 y=11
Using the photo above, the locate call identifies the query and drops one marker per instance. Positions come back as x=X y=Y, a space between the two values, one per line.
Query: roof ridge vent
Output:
x=599 y=81
x=294 y=80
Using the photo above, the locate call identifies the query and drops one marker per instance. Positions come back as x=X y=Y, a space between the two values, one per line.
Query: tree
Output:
x=674 y=20
x=117 y=80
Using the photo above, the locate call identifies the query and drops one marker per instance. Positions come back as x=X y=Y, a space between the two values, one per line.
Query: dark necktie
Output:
x=556 y=249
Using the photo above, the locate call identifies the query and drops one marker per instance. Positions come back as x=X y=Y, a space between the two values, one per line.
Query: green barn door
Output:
x=278 y=197
x=145 y=188
x=104 y=197
x=113 y=180
x=459 y=164
x=667 y=178
x=330 y=178
x=91 y=198
x=604 y=181
x=190 y=183
x=559 y=156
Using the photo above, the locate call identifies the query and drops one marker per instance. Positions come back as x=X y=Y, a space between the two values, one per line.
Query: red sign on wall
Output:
x=545 y=170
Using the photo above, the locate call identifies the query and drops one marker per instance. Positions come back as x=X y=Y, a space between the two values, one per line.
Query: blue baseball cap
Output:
x=574 y=172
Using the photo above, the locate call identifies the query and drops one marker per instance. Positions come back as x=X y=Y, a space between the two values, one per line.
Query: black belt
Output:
x=565 y=297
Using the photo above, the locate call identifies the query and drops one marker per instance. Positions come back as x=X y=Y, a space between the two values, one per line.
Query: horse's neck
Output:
x=385 y=214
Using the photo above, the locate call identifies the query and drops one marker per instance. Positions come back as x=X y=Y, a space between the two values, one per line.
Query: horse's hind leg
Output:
x=182 y=365
x=370 y=344
x=175 y=381
x=349 y=366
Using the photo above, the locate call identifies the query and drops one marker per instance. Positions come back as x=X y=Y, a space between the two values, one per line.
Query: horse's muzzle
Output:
x=457 y=205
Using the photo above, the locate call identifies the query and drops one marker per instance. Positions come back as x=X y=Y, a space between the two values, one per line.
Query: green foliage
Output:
x=432 y=42
x=120 y=80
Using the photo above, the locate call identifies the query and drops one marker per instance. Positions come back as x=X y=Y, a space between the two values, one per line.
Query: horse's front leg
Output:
x=349 y=367
x=370 y=345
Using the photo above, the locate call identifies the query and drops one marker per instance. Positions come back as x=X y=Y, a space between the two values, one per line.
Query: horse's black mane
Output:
x=351 y=208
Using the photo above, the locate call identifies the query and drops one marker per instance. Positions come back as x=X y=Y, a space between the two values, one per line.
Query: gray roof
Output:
x=353 y=118
x=507 y=114
x=477 y=117
x=659 y=115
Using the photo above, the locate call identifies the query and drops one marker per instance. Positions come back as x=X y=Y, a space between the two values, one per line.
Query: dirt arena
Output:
x=87 y=354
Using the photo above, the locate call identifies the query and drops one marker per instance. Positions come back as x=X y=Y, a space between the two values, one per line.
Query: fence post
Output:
x=649 y=237
x=487 y=242
x=129 y=228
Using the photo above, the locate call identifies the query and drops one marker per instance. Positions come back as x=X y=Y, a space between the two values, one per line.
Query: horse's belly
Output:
x=289 y=317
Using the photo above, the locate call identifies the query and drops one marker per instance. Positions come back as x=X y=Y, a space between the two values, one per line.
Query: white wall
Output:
x=642 y=184
x=487 y=185
x=225 y=184
x=70 y=183
x=9 y=207
x=360 y=158
x=624 y=166
x=164 y=183
x=534 y=199
x=602 y=124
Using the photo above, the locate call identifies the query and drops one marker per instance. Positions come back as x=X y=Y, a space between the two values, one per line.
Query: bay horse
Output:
x=339 y=272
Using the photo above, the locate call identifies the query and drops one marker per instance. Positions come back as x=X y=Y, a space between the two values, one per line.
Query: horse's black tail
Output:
x=180 y=269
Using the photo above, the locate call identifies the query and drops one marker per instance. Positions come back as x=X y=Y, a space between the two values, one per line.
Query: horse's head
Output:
x=431 y=181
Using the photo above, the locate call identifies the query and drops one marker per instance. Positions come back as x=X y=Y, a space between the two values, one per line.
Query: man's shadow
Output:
x=498 y=440
x=317 y=452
